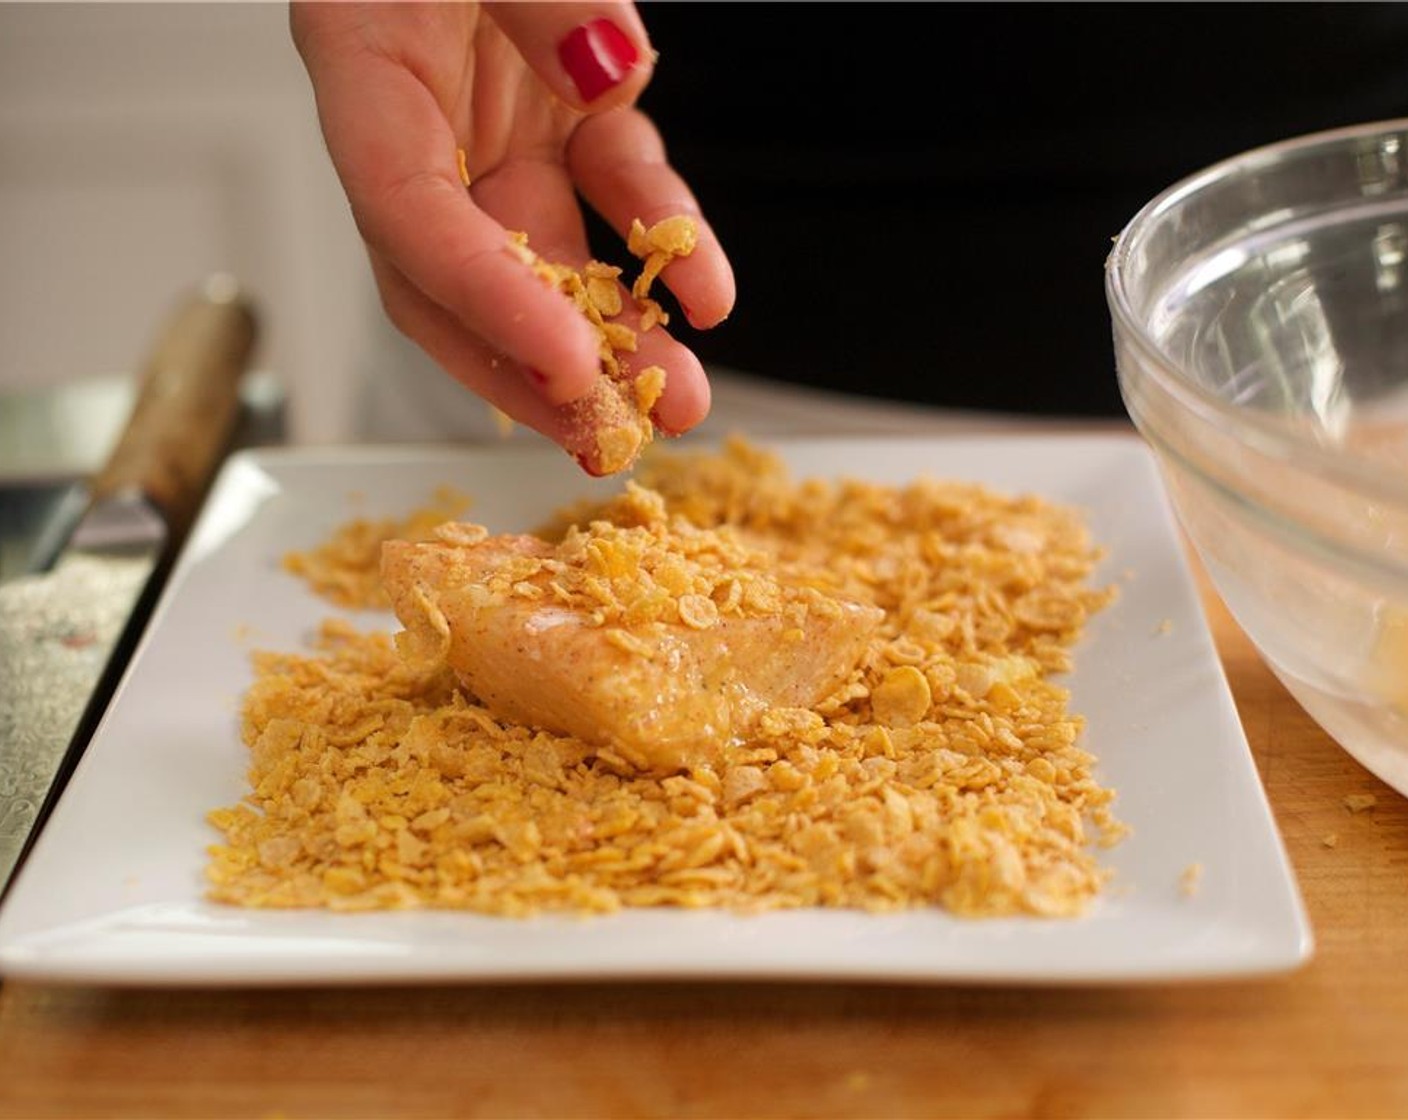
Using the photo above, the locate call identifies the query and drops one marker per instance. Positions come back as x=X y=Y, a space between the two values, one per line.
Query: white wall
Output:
x=143 y=146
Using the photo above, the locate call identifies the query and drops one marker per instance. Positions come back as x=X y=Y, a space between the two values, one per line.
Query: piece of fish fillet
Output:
x=661 y=696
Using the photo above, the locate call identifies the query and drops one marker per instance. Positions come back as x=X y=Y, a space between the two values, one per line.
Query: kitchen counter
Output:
x=1328 y=1040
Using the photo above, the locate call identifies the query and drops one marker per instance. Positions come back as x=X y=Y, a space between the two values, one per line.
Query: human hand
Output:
x=540 y=97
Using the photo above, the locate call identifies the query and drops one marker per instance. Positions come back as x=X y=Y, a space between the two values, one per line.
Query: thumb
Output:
x=593 y=56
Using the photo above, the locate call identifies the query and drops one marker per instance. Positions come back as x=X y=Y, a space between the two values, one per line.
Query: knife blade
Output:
x=66 y=633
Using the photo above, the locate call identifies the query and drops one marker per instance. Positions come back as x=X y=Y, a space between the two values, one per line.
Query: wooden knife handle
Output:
x=187 y=404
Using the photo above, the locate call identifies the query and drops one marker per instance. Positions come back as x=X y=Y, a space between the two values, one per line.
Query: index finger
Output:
x=618 y=160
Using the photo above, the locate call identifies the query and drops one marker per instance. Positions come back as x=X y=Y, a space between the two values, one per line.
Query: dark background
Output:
x=918 y=198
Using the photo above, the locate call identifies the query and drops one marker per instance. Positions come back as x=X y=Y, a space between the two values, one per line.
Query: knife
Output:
x=66 y=632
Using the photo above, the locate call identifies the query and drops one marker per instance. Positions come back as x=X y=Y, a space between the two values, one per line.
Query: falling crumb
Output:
x=1164 y=627
x=503 y=422
x=1330 y=839
x=1190 y=879
x=1358 y=802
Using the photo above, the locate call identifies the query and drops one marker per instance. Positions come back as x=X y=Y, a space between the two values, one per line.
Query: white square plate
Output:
x=112 y=892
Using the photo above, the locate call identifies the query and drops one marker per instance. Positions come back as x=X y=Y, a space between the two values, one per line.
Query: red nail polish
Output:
x=588 y=464
x=597 y=56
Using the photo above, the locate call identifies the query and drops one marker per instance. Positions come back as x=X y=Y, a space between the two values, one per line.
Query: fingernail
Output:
x=597 y=56
x=588 y=464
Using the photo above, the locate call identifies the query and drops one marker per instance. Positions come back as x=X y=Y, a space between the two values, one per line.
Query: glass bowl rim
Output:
x=1259 y=432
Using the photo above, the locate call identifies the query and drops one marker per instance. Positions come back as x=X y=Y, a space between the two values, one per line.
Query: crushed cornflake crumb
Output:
x=946 y=770
x=346 y=569
x=1358 y=802
x=1190 y=879
x=1164 y=627
x=1330 y=839
x=616 y=413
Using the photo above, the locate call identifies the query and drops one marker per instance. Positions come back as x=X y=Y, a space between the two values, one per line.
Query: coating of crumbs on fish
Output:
x=946 y=772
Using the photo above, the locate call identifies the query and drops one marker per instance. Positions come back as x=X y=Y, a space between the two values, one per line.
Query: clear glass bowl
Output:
x=1260 y=318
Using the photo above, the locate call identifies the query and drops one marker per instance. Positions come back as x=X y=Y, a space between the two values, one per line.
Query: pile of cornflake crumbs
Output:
x=946 y=771
x=346 y=568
